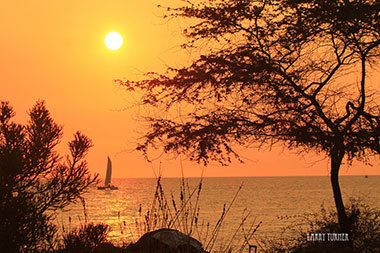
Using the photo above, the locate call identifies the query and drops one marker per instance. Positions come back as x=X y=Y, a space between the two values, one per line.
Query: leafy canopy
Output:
x=293 y=72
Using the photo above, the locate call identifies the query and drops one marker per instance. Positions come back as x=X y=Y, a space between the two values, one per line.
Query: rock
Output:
x=166 y=241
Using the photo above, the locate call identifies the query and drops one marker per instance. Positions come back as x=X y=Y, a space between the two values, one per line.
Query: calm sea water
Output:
x=267 y=198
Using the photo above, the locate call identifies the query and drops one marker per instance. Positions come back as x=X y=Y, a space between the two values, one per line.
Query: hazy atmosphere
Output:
x=189 y=126
x=55 y=51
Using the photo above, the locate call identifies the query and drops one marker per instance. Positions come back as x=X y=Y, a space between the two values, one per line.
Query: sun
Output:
x=113 y=40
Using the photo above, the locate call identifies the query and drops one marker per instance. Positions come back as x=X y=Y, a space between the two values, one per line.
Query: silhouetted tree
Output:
x=293 y=72
x=34 y=180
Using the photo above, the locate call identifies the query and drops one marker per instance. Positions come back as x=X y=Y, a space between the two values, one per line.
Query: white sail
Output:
x=109 y=172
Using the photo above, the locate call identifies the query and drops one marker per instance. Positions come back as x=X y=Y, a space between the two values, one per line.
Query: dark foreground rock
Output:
x=166 y=241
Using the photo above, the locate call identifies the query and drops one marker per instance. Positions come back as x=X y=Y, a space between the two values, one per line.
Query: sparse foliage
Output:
x=365 y=231
x=85 y=238
x=292 y=72
x=35 y=180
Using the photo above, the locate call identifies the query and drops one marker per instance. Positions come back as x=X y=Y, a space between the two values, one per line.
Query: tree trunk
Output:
x=337 y=154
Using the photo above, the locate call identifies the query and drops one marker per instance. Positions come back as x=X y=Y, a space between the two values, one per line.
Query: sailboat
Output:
x=107 y=182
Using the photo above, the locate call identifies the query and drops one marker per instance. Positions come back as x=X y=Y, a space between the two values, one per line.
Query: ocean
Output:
x=270 y=201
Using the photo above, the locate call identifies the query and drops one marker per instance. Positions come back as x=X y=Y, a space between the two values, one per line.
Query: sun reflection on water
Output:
x=267 y=198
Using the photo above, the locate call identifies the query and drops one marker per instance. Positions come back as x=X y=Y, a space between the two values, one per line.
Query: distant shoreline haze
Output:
x=327 y=176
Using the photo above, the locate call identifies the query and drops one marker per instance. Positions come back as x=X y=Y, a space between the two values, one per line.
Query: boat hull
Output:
x=108 y=188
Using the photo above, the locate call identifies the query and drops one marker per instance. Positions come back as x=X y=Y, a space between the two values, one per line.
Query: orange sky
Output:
x=54 y=50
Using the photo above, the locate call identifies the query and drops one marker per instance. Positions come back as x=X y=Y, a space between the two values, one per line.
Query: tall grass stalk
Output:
x=184 y=215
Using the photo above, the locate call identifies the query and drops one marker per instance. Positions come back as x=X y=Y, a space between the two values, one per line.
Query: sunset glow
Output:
x=202 y=126
x=60 y=56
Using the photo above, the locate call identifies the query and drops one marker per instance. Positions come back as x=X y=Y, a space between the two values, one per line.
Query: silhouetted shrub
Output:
x=85 y=238
x=34 y=180
x=365 y=231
